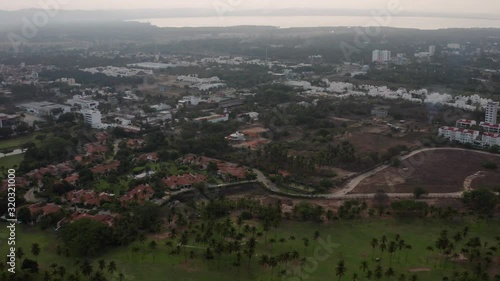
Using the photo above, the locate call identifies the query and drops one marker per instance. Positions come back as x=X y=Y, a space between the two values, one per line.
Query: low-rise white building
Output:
x=213 y=118
x=92 y=118
x=459 y=134
x=83 y=103
x=490 y=127
x=464 y=123
x=490 y=139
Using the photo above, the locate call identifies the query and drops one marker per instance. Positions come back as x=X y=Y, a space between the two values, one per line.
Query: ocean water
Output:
x=428 y=23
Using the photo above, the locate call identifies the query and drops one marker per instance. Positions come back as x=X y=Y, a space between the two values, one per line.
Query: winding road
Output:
x=343 y=193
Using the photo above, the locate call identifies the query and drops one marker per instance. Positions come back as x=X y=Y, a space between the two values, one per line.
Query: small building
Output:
x=7 y=121
x=464 y=123
x=236 y=137
x=491 y=139
x=216 y=118
x=380 y=111
x=490 y=127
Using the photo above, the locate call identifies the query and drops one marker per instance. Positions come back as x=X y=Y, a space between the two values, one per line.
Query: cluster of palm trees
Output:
x=83 y=270
x=459 y=246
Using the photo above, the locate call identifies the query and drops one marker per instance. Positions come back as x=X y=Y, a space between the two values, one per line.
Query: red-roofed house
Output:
x=151 y=157
x=40 y=209
x=87 y=197
x=139 y=194
x=106 y=168
x=72 y=179
x=107 y=219
x=20 y=183
x=184 y=181
x=95 y=148
x=226 y=169
x=135 y=143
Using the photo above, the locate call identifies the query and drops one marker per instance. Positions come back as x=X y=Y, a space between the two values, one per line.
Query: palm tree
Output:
x=364 y=266
x=402 y=277
x=408 y=249
x=61 y=271
x=391 y=249
x=414 y=277
x=340 y=270
x=273 y=262
x=354 y=277
x=429 y=250
x=369 y=275
x=316 y=235
x=374 y=244
x=390 y=272
x=121 y=277
x=183 y=241
x=382 y=247
x=152 y=246
x=378 y=272
x=20 y=253
x=86 y=268
x=112 y=267
x=35 y=250
x=401 y=246
x=102 y=264
x=306 y=244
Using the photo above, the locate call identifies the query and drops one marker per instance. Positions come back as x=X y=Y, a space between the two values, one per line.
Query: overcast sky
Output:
x=438 y=6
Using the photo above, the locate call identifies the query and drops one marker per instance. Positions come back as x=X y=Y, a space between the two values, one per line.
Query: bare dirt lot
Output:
x=435 y=171
x=368 y=142
x=488 y=180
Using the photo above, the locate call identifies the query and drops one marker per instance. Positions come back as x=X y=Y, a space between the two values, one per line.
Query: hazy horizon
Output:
x=487 y=7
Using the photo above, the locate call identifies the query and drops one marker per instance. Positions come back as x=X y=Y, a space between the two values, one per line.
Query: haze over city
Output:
x=245 y=140
x=490 y=7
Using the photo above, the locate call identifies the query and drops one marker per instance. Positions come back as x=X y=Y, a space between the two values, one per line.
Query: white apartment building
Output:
x=432 y=50
x=491 y=112
x=81 y=102
x=491 y=139
x=464 y=123
x=381 y=56
x=490 y=128
x=458 y=134
x=92 y=118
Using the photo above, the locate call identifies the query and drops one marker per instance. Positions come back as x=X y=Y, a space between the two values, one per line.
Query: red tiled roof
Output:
x=224 y=167
x=149 y=157
x=176 y=182
x=101 y=169
x=20 y=183
x=93 y=148
x=492 y=135
x=102 y=218
x=87 y=197
x=44 y=209
x=140 y=194
x=491 y=125
x=72 y=178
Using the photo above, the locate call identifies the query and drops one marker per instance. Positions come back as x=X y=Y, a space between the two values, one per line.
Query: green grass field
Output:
x=16 y=142
x=352 y=239
x=11 y=161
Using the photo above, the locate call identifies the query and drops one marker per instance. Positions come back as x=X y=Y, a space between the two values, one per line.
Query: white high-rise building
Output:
x=491 y=112
x=432 y=50
x=381 y=56
x=92 y=118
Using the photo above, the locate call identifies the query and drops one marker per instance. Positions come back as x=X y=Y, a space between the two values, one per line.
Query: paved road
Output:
x=15 y=152
x=30 y=196
x=351 y=185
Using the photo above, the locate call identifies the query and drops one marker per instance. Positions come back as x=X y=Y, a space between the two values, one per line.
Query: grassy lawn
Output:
x=351 y=244
x=16 y=142
x=11 y=161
